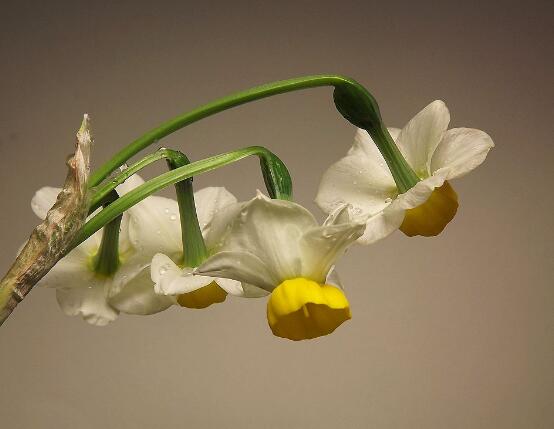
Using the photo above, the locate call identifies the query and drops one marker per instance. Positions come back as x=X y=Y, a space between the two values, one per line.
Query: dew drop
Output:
x=388 y=200
x=173 y=217
x=166 y=210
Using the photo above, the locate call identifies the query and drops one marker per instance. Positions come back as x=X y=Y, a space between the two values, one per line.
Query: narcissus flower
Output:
x=197 y=291
x=278 y=246
x=436 y=155
x=99 y=298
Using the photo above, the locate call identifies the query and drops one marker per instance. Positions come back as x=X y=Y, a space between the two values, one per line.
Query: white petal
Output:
x=361 y=179
x=131 y=183
x=138 y=297
x=270 y=230
x=163 y=269
x=43 y=200
x=324 y=245
x=185 y=283
x=232 y=287
x=251 y=291
x=154 y=227
x=381 y=225
x=210 y=201
x=126 y=273
x=89 y=302
x=241 y=266
x=420 y=137
x=417 y=195
x=72 y=271
x=390 y=219
x=460 y=151
x=333 y=278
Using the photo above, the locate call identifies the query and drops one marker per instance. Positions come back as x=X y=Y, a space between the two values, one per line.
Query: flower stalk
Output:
x=352 y=100
x=106 y=261
x=276 y=176
x=194 y=248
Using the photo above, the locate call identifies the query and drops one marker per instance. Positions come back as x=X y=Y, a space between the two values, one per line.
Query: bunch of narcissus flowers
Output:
x=141 y=254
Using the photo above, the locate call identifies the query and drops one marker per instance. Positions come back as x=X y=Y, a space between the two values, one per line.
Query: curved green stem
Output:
x=352 y=100
x=275 y=173
x=194 y=248
x=171 y=177
x=103 y=191
x=106 y=261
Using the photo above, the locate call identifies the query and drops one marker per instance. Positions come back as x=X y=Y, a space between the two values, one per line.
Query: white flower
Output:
x=149 y=227
x=191 y=290
x=278 y=246
x=436 y=154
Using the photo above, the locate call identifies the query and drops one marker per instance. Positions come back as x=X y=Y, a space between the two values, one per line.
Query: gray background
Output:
x=451 y=332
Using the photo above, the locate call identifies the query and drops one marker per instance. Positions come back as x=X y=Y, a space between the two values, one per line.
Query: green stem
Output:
x=103 y=191
x=352 y=100
x=194 y=248
x=106 y=261
x=276 y=176
x=403 y=175
x=171 y=177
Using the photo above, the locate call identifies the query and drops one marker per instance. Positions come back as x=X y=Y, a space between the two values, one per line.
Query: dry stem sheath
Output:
x=51 y=239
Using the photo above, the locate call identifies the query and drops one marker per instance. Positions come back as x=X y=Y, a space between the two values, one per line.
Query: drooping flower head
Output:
x=436 y=155
x=278 y=246
x=173 y=279
x=149 y=227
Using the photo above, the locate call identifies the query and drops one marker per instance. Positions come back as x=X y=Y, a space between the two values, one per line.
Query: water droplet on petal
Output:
x=166 y=210
x=173 y=217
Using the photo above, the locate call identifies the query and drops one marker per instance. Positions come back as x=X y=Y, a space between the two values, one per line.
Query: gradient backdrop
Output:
x=451 y=332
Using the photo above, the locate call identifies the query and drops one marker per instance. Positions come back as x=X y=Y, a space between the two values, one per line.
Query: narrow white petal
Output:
x=138 y=297
x=389 y=220
x=72 y=271
x=417 y=195
x=185 y=283
x=232 y=287
x=126 y=273
x=43 y=200
x=89 y=302
x=381 y=225
x=209 y=201
x=162 y=271
x=131 y=183
x=333 y=278
x=154 y=227
x=251 y=291
x=460 y=151
x=322 y=246
x=421 y=136
x=361 y=179
x=341 y=215
x=270 y=230
x=241 y=266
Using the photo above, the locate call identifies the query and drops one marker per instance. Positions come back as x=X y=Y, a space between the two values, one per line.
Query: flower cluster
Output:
x=269 y=246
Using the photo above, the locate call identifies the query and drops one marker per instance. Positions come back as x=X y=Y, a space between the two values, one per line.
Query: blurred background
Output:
x=456 y=331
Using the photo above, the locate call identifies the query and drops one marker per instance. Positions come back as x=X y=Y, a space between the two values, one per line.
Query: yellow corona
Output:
x=300 y=309
x=431 y=217
x=203 y=297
